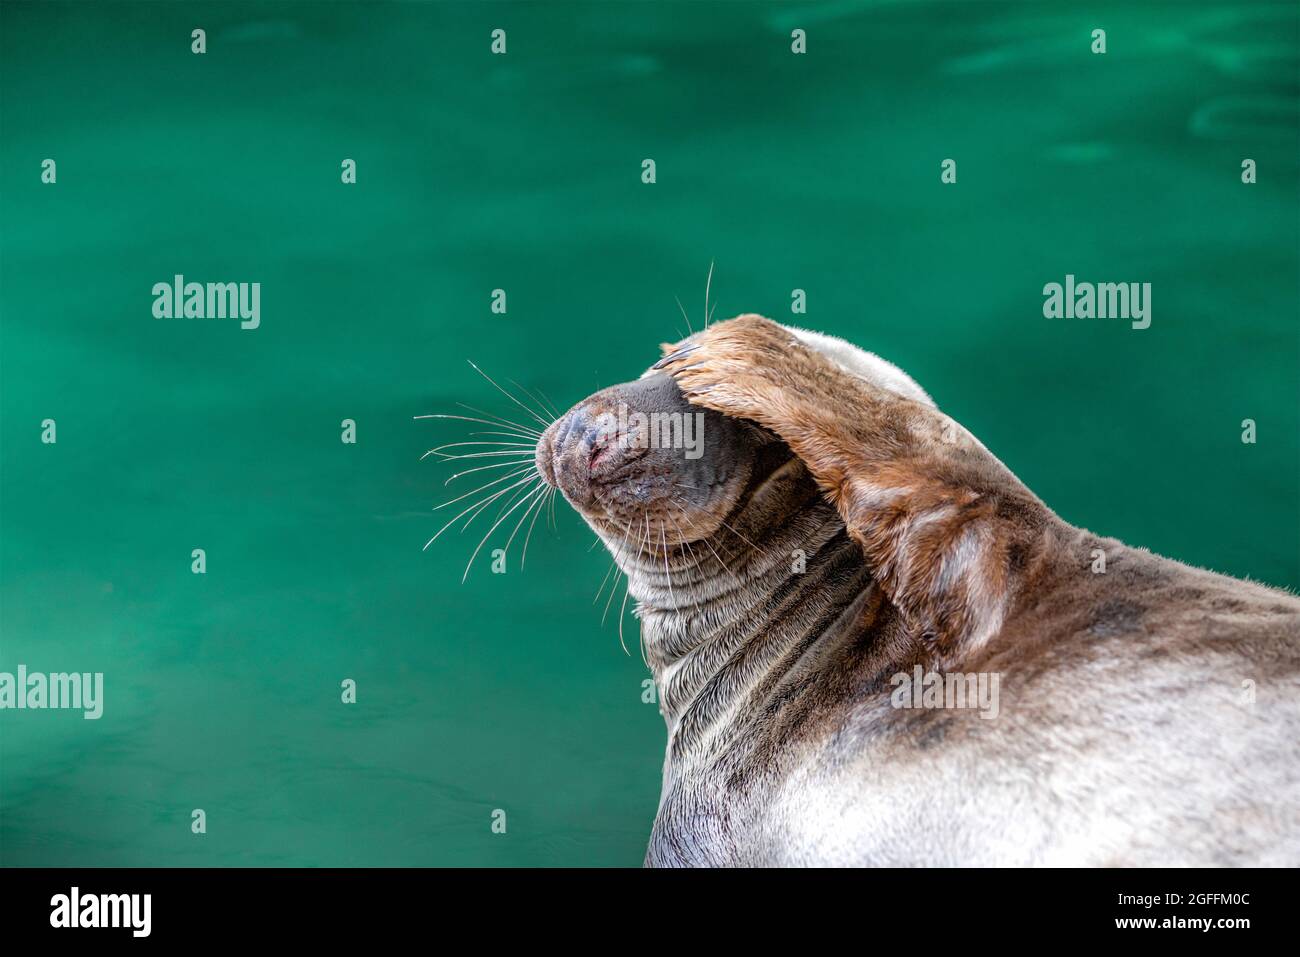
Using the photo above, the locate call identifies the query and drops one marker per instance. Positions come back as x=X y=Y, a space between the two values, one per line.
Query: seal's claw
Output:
x=737 y=367
x=674 y=356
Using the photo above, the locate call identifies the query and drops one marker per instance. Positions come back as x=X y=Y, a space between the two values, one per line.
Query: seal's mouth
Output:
x=587 y=459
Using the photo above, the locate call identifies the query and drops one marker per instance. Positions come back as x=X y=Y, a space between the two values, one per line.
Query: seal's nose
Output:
x=542 y=454
x=586 y=448
x=595 y=448
x=565 y=451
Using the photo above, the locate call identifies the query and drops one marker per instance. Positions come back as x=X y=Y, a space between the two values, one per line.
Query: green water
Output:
x=522 y=172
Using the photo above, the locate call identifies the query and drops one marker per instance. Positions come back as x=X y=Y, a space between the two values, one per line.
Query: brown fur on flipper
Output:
x=950 y=533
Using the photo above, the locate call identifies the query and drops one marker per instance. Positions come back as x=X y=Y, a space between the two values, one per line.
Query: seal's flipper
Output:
x=949 y=532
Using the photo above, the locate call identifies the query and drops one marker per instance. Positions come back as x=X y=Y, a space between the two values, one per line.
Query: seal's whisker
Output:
x=640 y=623
x=506 y=477
x=641 y=638
x=500 y=420
x=453 y=445
x=681 y=535
x=549 y=405
x=523 y=455
x=480 y=468
x=503 y=506
x=478 y=505
x=627 y=588
x=663 y=537
x=530 y=510
x=523 y=556
x=536 y=491
x=708 y=283
x=540 y=404
x=613 y=590
x=707 y=543
x=483 y=455
x=608 y=570
x=612 y=562
x=508 y=395
x=509 y=494
x=744 y=539
x=622 y=545
x=622 y=613
x=513 y=435
x=689 y=330
x=521 y=431
x=498 y=445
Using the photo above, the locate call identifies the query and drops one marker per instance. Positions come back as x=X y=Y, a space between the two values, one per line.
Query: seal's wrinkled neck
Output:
x=728 y=618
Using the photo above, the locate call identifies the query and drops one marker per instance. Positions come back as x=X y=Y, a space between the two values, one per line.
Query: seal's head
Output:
x=640 y=463
x=644 y=466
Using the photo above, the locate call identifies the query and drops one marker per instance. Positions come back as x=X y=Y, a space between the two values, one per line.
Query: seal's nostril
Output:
x=564 y=452
x=574 y=426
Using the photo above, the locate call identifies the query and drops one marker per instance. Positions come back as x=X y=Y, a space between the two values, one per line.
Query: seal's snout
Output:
x=635 y=457
x=582 y=450
x=565 y=452
x=542 y=455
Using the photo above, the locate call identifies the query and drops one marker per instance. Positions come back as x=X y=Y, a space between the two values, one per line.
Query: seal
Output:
x=819 y=587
